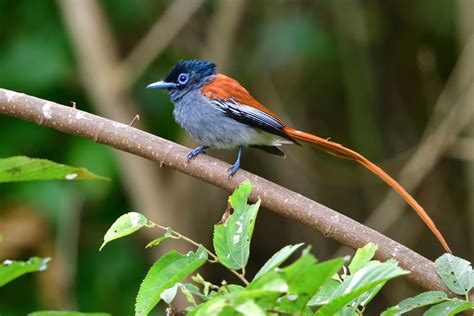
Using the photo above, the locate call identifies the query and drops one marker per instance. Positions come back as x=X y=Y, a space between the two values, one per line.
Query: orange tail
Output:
x=346 y=153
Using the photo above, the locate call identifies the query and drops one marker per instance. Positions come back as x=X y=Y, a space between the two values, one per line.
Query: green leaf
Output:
x=10 y=270
x=232 y=239
x=324 y=294
x=250 y=308
x=364 y=298
x=168 y=295
x=212 y=307
x=164 y=274
x=277 y=259
x=157 y=241
x=123 y=226
x=409 y=304
x=304 y=279
x=368 y=277
x=298 y=282
x=65 y=313
x=456 y=273
x=362 y=257
x=22 y=168
x=449 y=308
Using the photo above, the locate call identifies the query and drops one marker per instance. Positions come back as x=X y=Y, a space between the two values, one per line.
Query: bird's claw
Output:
x=196 y=151
x=233 y=169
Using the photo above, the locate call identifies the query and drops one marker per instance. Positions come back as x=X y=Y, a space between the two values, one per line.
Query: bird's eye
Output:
x=183 y=78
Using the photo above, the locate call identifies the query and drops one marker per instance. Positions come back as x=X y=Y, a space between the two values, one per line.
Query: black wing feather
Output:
x=251 y=116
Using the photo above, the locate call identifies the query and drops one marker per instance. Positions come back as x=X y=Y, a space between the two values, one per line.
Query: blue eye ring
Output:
x=183 y=78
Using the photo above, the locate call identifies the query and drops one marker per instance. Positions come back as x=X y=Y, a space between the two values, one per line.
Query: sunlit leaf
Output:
x=10 y=270
x=22 y=168
x=362 y=257
x=164 y=274
x=168 y=295
x=370 y=276
x=409 y=304
x=456 y=273
x=212 y=307
x=278 y=258
x=123 y=226
x=250 y=308
x=232 y=239
x=449 y=308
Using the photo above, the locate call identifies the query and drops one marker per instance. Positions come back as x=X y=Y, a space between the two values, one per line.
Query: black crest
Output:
x=197 y=69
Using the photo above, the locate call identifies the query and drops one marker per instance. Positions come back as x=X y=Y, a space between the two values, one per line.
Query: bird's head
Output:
x=186 y=75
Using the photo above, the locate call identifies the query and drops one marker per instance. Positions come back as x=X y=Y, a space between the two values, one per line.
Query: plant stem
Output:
x=210 y=253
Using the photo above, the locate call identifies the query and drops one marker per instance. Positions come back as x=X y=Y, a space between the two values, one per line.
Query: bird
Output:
x=219 y=113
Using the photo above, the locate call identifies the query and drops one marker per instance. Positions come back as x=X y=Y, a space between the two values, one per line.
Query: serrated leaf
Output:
x=456 y=273
x=409 y=304
x=124 y=225
x=368 y=277
x=449 y=308
x=277 y=259
x=65 y=313
x=10 y=270
x=232 y=239
x=164 y=274
x=362 y=257
x=22 y=168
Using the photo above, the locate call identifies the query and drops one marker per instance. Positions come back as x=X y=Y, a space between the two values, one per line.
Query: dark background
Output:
x=368 y=74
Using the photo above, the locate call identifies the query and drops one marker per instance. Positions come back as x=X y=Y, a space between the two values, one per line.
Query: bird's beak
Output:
x=161 y=85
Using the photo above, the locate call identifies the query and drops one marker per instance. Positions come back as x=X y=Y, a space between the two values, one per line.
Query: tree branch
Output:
x=283 y=201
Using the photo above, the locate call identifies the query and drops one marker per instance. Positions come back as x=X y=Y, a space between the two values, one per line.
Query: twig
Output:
x=283 y=201
x=159 y=37
x=222 y=31
x=210 y=253
x=466 y=32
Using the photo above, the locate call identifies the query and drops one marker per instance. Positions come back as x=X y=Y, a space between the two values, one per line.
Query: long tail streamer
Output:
x=346 y=153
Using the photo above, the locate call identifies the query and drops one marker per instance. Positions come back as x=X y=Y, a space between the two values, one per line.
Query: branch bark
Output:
x=283 y=201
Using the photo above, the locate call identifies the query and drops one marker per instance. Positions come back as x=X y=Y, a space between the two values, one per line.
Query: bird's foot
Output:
x=233 y=169
x=196 y=151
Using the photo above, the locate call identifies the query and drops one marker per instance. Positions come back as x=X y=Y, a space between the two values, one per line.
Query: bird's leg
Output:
x=196 y=151
x=233 y=169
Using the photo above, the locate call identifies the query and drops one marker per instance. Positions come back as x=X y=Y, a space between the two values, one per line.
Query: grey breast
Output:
x=208 y=125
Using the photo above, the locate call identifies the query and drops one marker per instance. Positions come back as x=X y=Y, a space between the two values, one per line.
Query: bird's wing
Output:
x=236 y=102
